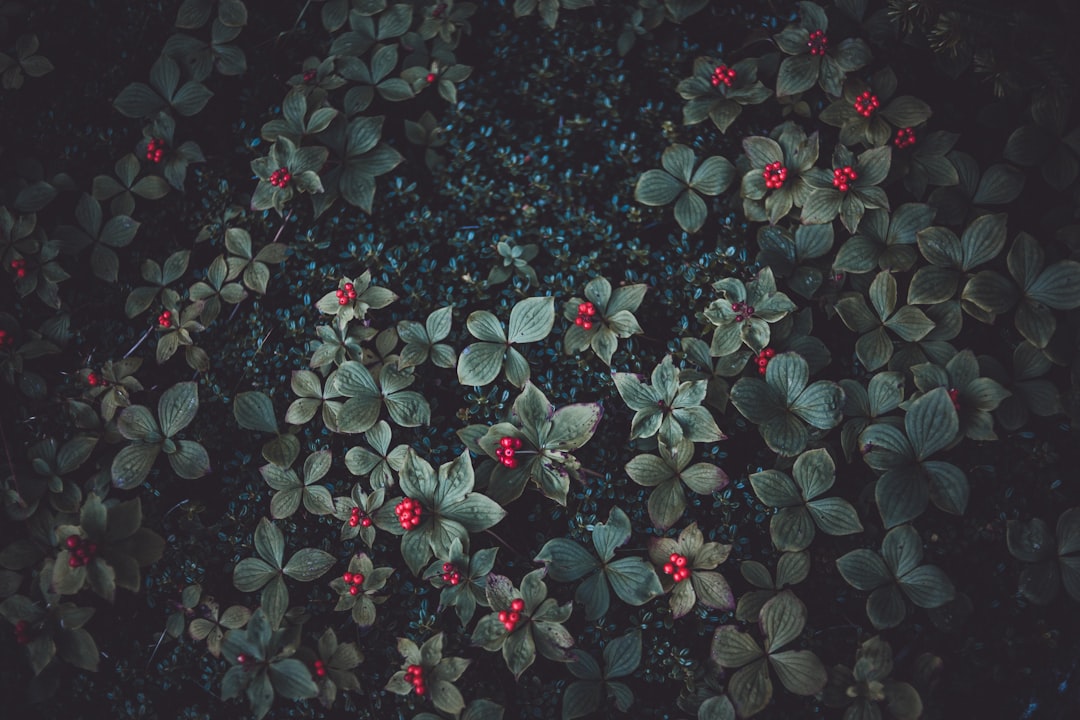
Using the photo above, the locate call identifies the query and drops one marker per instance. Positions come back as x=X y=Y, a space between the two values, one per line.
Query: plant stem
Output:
x=141 y=341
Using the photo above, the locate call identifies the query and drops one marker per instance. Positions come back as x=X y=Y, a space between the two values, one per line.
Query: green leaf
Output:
x=567 y=561
x=931 y=423
x=269 y=542
x=582 y=699
x=656 y=188
x=308 y=564
x=633 y=580
x=177 y=407
x=927 y=586
x=292 y=679
x=608 y=536
x=478 y=364
x=622 y=655
x=190 y=460
x=798 y=73
x=901 y=495
x=519 y=651
x=690 y=211
x=800 y=671
x=132 y=464
x=531 y=320
x=77 y=647
x=251 y=574
x=863 y=569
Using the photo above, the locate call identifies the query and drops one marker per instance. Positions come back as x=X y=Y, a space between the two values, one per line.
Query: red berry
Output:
x=354 y=590
x=517 y=605
x=241 y=658
x=905 y=138
x=769 y=352
x=347 y=577
x=509 y=626
x=668 y=568
x=866 y=103
x=680 y=561
x=818 y=42
x=503 y=616
x=309 y=76
x=72 y=541
x=514 y=617
x=507 y=442
x=430 y=78
x=365 y=522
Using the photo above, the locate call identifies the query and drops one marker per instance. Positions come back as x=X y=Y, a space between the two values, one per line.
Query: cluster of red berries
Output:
x=155 y=150
x=505 y=452
x=280 y=177
x=905 y=138
x=817 y=43
x=22 y=632
x=354 y=581
x=81 y=552
x=742 y=310
x=19 y=267
x=512 y=618
x=358 y=517
x=585 y=313
x=320 y=668
x=723 y=74
x=415 y=677
x=94 y=380
x=309 y=76
x=450 y=575
x=775 y=174
x=843 y=177
x=165 y=319
x=430 y=78
x=763 y=359
x=346 y=294
x=954 y=395
x=676 y=567
x=408 y=513
x=5 y=339
x=438 y=10
x=866 y=104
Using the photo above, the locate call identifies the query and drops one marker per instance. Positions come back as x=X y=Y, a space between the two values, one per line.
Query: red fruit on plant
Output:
x=905 y=138
x=866 y=104
x=73 y=541
x=430 y=78
x=347 y=577
x=354 y=590
x=517 y=605
x=818 y=42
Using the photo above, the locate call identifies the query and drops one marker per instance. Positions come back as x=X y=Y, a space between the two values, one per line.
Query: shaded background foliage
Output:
x=549 y=135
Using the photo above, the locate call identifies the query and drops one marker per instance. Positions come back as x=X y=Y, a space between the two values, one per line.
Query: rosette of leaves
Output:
x=715 y=373
x=378 y=466
x=802 y=69
x=480 y=709
x=450 y=509
x=999 y=184
x=667 y=407
x=103 y=237
x=362 y=605
x=667 y=474
x=512 y=260
x=1046 y=142
x=908 y=479
x=935 y=346
x=298 y=120
x=424 y=341
x=704 y=586
x=720 y=103
x=632 y=578
x=1035 y=290
x=895 y=573
x=1048 y=563
x=175 y=158
x=255 y=268
x=531 y=320
x=549 y=437
x=862 y=689
x=27 y=61
x=262 y=666
x=355 y=145
x=874 y=347
x=122 y=189
x=55 y=629
x=794 y=333
x=744 y=312
x=540 y=628
x=585 y=695
x=313 y=395
x=800 y=507
x=800 y=671
x=159 y=277
x=791 y=569
x=930 y=162
x=211 y=291
x=471 y=590
x=448 y=21
x=302 y=164
x=864 y=406
x=367 y=503
x=680 y=180
x=429 y=134
x=150 y=436
x=51 y=461
x=200 y=57
x=267 y=571
x=549 y=9
x=139 y=100
x=905 y=111
x=785 y=402
x=190 y=599
x=885 y=240
x=796 y=153
x=786 y=253
x=952 y=258
x=368 y=297
x=614 y=318
x=193 y=14
x=339 y=660
x=976 y=397
x=446 y=71
x=292 y=489
x=254 y=410
x=825 y=202
x=1030 y=393
x=367 y=395
x=439 y=673
x=339 y=341
x=123 y=546
x=213 y=626
x=178 y=334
